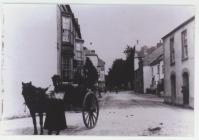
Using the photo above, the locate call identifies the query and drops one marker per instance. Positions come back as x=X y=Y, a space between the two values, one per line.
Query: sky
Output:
x=111 y=28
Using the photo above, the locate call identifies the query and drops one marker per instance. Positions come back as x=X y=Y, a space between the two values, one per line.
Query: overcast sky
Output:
x=111 y=27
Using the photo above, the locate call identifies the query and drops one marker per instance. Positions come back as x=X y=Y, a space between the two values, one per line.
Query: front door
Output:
x=186 y=88
x=173 y=89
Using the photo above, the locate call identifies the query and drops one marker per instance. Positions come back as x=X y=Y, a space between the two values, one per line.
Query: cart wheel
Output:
x=90 y=110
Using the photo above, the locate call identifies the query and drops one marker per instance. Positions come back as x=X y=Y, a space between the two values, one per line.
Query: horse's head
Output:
x=26 y=87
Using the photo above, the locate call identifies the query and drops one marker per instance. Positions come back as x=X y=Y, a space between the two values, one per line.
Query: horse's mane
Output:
x=35 y=97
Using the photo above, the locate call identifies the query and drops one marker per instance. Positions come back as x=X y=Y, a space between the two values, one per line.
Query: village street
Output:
x=122 y=114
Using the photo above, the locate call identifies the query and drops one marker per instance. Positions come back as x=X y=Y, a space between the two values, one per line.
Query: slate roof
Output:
x=157 y=53
x=148 y=50
x=156 y=61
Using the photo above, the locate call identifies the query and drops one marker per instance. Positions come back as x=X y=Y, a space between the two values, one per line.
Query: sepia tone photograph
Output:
x=97 y=69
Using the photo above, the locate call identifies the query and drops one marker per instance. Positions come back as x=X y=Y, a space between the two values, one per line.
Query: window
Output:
x=78 y=46
x=65 y=35
x=68 y=36
x=79 y=54
x=158 y=69
x=66 y=22
x=172 y=51
x=67 y=30
x=163 y=68
x=184 y=45
x=66 y=68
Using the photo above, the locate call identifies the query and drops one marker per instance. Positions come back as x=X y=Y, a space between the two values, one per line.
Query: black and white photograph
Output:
x=85 y=69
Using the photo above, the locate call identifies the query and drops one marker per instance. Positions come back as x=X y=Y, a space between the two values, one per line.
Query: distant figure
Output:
x=105 y=89
x=55 y=115
x=98 y=91
x=158 y=89
x=116 y=89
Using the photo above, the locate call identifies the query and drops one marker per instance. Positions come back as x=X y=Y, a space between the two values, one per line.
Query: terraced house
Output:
x=179 y=64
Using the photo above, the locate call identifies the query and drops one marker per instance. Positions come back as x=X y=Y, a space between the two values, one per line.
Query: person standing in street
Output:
x=55 y=115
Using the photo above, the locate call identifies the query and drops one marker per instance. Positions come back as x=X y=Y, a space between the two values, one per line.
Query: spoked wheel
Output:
x=90 y=111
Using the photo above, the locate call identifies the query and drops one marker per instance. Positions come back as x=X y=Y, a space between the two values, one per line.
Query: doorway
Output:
x=173 y=88
x=186 y=88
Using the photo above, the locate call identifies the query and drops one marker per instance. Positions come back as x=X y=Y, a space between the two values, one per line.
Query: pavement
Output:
x=121 y=114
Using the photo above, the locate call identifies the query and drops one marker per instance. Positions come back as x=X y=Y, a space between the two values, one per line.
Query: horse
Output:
x=36 y=101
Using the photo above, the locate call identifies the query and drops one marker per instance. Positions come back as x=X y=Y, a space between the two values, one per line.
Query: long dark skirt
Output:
x=55 y=116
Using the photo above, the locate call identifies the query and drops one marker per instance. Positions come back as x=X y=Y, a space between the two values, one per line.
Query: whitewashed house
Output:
x=101 y=73
x=179 y=64
x=148 y=65
x=157 y=72
x=92 y=56
x=38 y=42
x=152 y=68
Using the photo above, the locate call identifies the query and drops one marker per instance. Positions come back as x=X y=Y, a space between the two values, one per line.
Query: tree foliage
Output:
x=121 y=74
x=90 y=73
x=130 y=52
x=117 y=74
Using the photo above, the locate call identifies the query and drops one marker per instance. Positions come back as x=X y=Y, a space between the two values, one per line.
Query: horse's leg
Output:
x=34 y=122
x=41 y=123
x=49 y=132
x=57 y=132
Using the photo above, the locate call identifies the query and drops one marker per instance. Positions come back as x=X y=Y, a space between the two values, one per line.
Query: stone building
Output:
x=71 y=44
x=179 y=64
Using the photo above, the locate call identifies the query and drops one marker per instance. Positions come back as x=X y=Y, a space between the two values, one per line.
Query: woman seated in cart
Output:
x=55 y=115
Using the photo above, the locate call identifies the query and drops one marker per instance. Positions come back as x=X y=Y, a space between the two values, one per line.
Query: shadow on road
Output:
x=71 y=130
